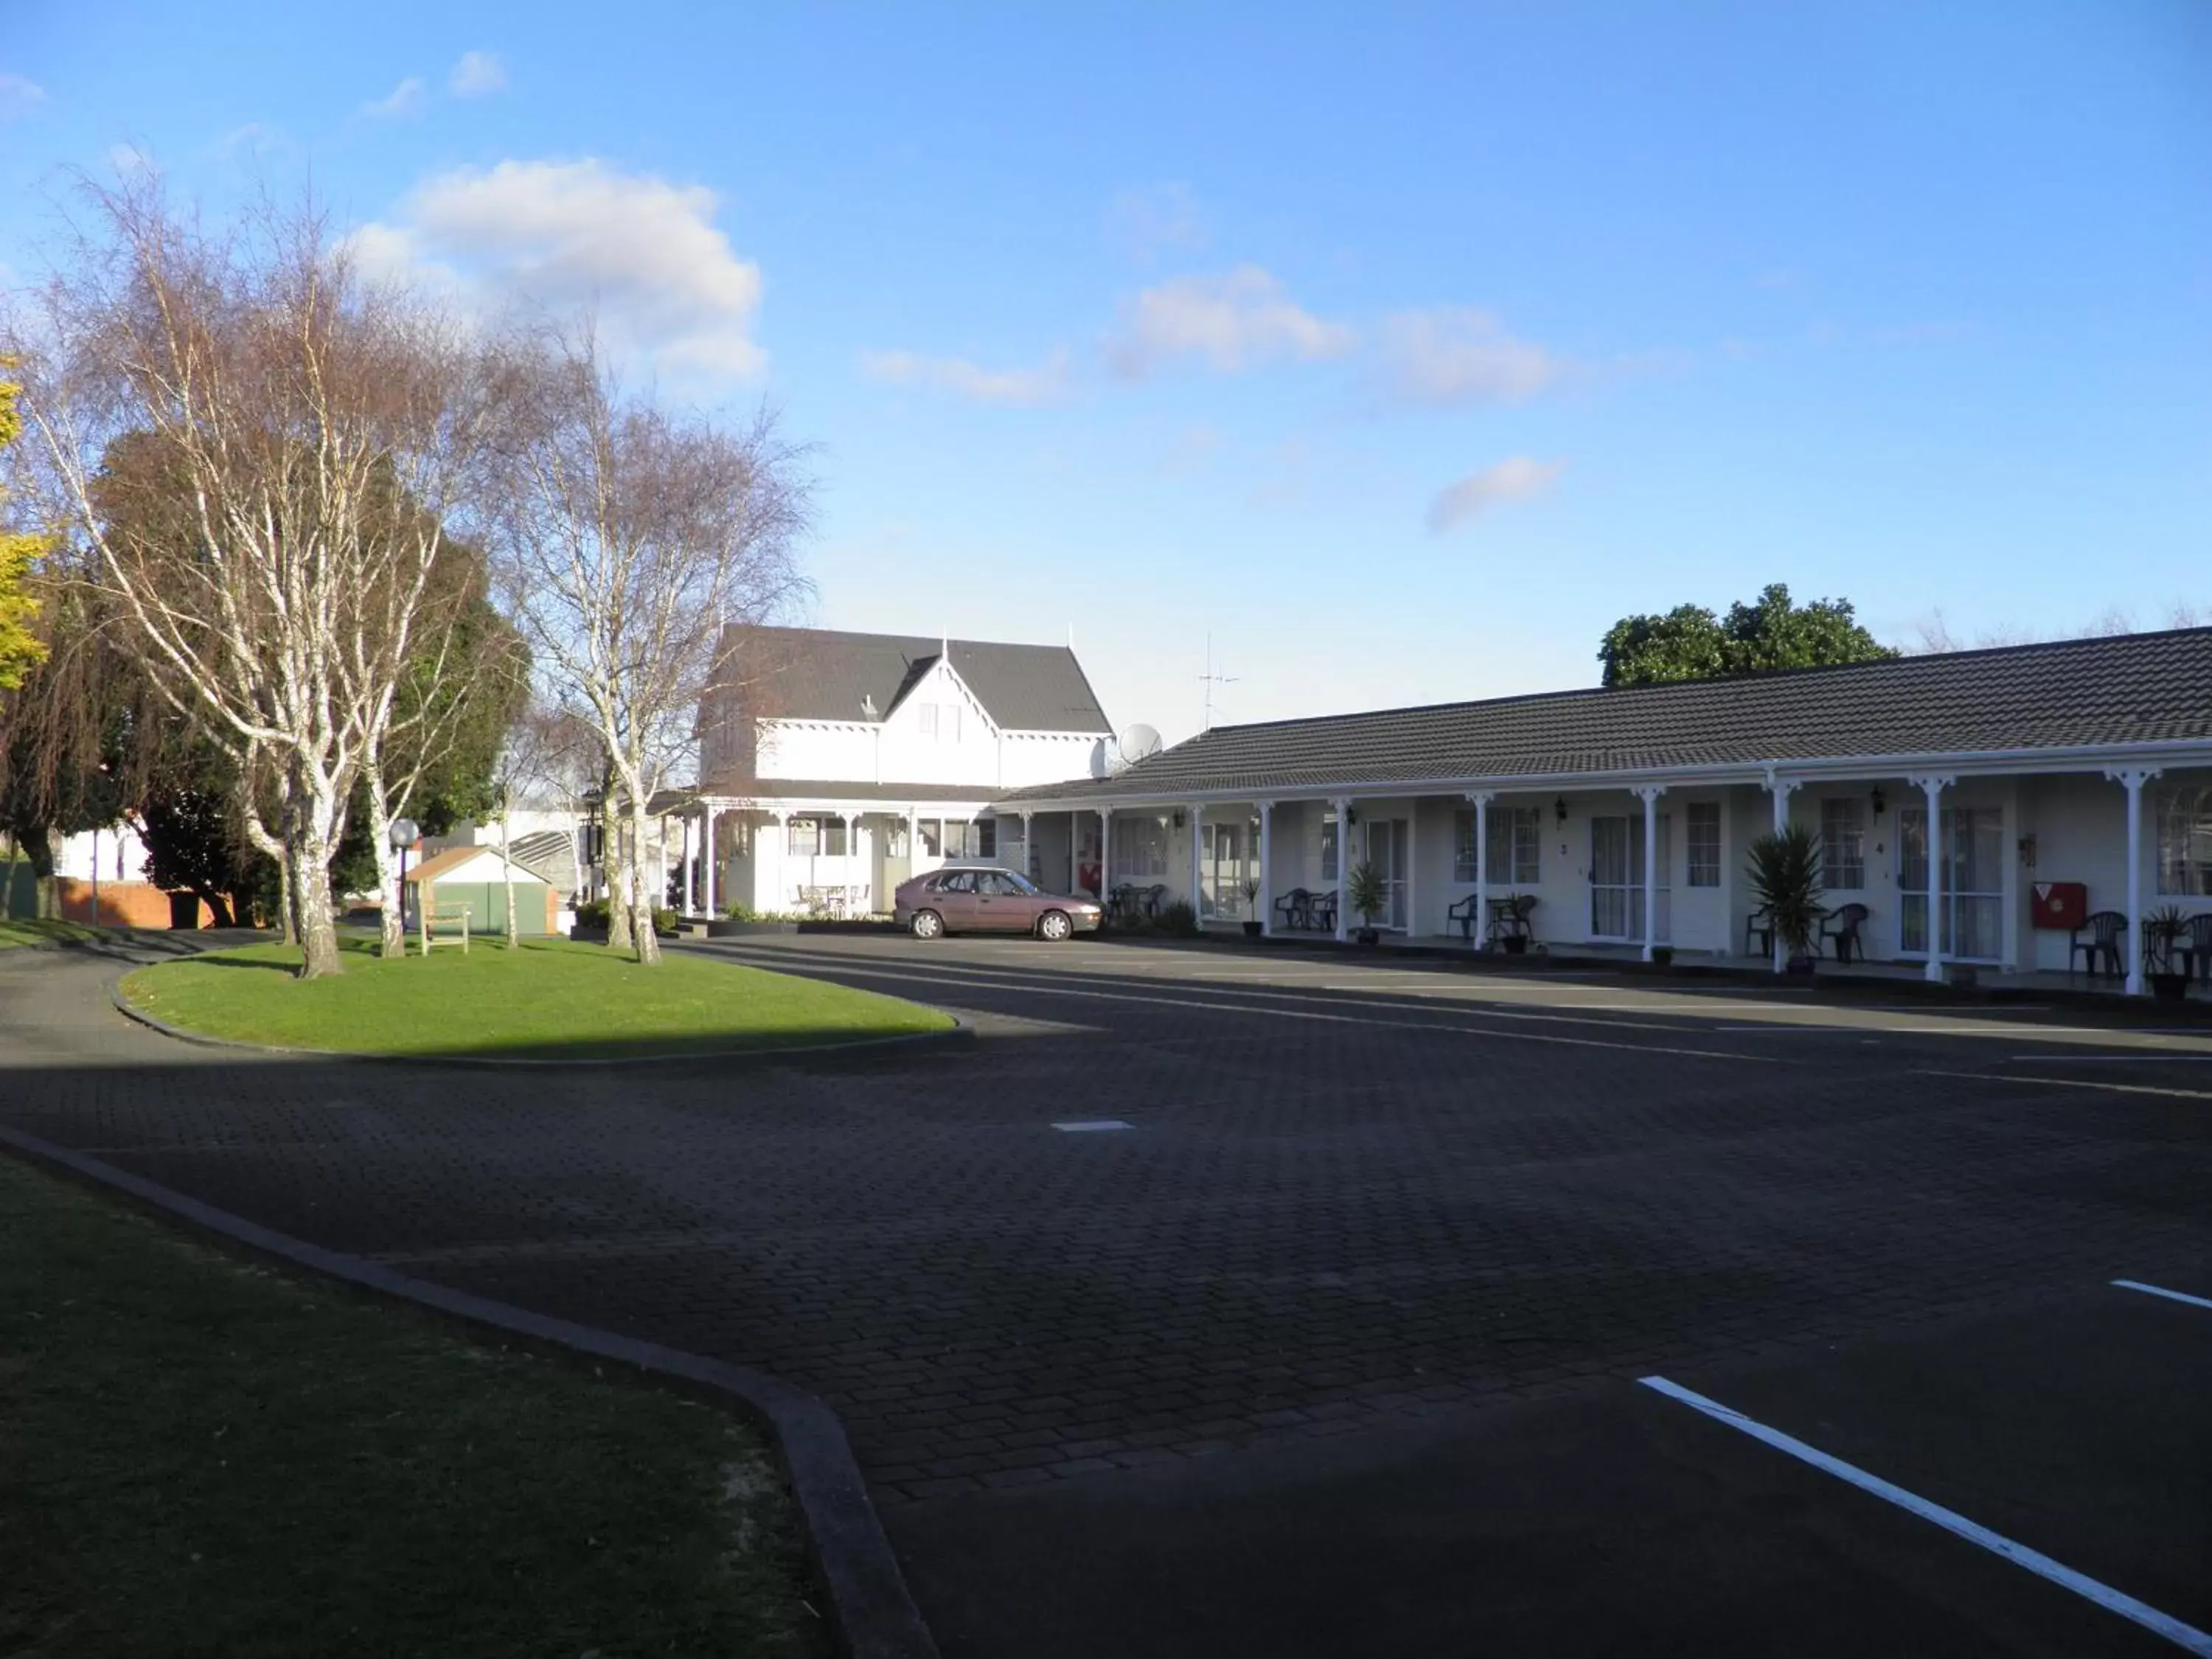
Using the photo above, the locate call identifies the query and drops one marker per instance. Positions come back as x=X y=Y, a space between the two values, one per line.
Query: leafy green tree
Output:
x=1691 y=643
x=20 y=649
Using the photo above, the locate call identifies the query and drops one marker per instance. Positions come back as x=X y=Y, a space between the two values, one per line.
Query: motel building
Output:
x=1989 y=808
x=836 y=765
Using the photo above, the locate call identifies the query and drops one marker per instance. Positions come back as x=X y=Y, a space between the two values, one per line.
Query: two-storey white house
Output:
x=834 y=765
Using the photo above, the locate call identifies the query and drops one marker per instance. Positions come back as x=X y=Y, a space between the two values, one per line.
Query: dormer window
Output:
x=938 y=720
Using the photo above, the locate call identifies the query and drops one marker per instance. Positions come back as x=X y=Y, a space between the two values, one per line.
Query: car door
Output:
x=953 y=897
x=1001 y=905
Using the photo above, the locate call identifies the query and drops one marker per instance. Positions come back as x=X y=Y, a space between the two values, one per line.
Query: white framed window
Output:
x=959 y=839
x=2184 y=844
x=987 y=838
x=835 y=838
x=933 y=837
x=803 y=837
x=1702 y=823
x=1140 y=847
x=1843 y=843
x=1329 y=846
x=1514 y=857
x=925 y=719
x=1463 y=846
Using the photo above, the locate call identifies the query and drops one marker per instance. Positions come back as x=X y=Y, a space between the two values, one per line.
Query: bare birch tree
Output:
x=321 y=427
x=628 y=535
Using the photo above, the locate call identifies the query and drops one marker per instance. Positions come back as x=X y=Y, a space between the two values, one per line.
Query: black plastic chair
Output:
x=2103 y=945
x=1847 y=919
x=1758 y=925
x=2193 y=947
x=1324 y=911
x=1296 y=910
x=1465 y=913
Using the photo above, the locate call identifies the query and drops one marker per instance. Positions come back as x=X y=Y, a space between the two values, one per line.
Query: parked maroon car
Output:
x=985 y=899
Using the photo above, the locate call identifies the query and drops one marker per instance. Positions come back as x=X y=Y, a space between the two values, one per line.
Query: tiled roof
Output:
x=2118 y=690
x=835 y=789
x=816 y=673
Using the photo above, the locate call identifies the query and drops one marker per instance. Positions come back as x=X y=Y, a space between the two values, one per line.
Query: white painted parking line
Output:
x=2186 y=1637
x=1091 y=1126
x=2073 y=1083
x=2160 y=1289
x=2147 y=1057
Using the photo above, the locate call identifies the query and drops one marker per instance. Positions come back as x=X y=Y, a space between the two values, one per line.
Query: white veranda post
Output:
x=1343 y=868
x=2132 y=779
x=1105 y=852
x=1197 y=864
x=1649 y=794
x=709 y=847
x=1932 y=786
x=1781 y=788
x=690 y=890
x=1478 y=931
x=1031 y=868
x=1267 y=900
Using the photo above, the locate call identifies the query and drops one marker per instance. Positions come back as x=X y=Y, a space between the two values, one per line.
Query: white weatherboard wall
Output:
x=939 y=734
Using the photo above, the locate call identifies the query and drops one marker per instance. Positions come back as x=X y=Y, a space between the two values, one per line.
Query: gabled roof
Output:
x=2124 y=689
x=820 y=674
x=440 y=867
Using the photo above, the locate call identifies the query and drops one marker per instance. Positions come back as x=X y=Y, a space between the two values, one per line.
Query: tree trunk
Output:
x=617 y=869
x=392 y=907
x=507 y=869
x=311 y=833
x=641 y=895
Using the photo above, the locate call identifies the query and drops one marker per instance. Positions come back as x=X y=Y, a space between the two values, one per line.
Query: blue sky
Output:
x=1401 y=349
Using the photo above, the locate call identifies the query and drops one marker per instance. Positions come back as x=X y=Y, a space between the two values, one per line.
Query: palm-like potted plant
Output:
x=2162 y=929
x=1370 y=898
x=1785 y=878
x=1250 y=888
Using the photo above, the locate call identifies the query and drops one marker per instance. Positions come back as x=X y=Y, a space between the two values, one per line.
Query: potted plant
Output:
x=1251 y=888
x=1661 y=955
x=2162 y=928
x=1514 y=942
x=1369 y=900
x=1785 y=879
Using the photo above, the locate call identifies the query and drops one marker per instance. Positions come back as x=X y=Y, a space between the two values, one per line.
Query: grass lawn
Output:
x=550 y=997
x=198 y=1457
x=19 y=930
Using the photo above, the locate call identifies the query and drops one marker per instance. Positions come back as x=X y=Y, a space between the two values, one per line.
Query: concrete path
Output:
x=1336 y=1348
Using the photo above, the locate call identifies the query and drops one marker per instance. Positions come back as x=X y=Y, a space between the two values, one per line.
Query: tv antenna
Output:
x=1209 y=679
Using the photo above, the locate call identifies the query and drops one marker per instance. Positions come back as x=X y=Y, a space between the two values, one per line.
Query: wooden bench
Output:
x=445 y=925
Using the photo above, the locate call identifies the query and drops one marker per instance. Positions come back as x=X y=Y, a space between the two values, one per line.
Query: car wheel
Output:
x=927 y=924
x=1055 y=925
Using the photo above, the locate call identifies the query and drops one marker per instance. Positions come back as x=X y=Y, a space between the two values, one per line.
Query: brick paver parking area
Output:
x=1357 y=1211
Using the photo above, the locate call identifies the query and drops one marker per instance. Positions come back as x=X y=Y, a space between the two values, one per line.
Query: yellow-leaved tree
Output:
x=20 y=650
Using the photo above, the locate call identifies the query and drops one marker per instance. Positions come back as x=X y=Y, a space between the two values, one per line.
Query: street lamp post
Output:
x=404 y=832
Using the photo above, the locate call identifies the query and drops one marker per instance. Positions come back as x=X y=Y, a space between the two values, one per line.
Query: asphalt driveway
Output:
x=1287 y=1303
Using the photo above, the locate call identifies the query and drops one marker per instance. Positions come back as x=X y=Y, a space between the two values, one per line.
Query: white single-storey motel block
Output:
x=834 y=765
x=2062 y=783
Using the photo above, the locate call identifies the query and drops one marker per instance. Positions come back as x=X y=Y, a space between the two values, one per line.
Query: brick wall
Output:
x=122 y=904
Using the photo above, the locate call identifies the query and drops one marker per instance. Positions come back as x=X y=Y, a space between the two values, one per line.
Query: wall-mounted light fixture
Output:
x=1559 y=809
x=1881 y=800
x=2027 y=852
x=1351 y=815
x=1178 y=817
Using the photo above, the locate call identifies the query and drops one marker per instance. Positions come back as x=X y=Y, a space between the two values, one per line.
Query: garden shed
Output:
x=477 y=877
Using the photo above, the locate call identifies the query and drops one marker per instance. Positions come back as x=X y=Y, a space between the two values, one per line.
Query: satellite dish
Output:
x=1135 y=743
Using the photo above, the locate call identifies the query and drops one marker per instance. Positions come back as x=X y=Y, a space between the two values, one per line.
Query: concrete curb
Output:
x=960 y=1035
x=875 y=1614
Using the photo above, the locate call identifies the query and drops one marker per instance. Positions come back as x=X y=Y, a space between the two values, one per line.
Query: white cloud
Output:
x=1234 y=322
x=403 y=102
x=1146 y=219
x=129 y=161
x=642 y=252
x=19 y=95
x=1516 y=479
x=477 y=74
x=1020 y=388
x=1456 y=354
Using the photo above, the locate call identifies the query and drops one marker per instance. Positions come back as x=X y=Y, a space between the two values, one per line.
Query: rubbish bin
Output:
x=185 y=911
